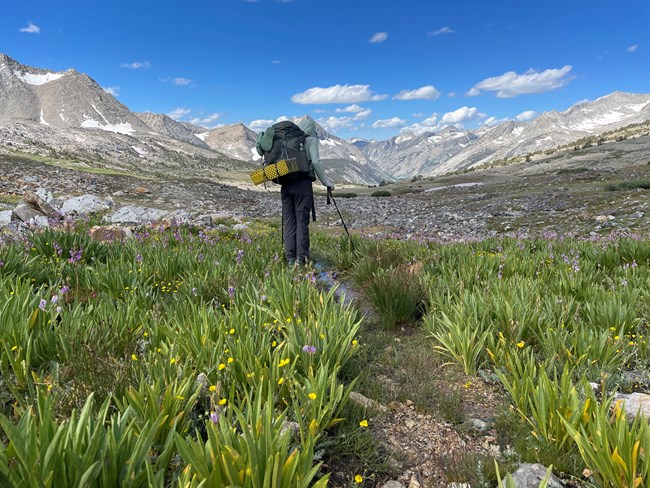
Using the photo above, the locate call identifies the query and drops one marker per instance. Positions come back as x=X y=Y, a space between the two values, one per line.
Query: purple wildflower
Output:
x=240 y=256
x=214 y=417
x=42 y=304
x=58 y=309
x=309 y=349
x=138 y=258
x=64 y=289
x=231 y=291
x=194 y=291
x=1 y=263
x=264 y=298
x=55 y=299
x=75 y=256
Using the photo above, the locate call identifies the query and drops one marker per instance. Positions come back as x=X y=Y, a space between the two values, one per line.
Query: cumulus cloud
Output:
x=334 y=124
x=337 y=94
x=112 y=90
x=463 y=114
x=261 y=124
x=31 y=28
x=358 y=111
x=206 y=121
x=378 y=37
x=526 y=115
x=511 y=84
x=391 y=123
x=428 y=92
x=430 y=124
x=136 y=65
x=443 y=30
x=492 y=121
x=632 y=48
x=179 y=113
x=435 y=123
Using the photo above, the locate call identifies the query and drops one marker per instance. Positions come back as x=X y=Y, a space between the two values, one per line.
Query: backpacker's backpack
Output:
x=288 y=143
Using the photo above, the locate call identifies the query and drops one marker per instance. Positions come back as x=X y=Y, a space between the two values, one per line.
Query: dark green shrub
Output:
x=643 y=183
x=381 y=193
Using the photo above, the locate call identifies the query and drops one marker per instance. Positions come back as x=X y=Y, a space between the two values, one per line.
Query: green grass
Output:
x=643 y=183
x=141 y=320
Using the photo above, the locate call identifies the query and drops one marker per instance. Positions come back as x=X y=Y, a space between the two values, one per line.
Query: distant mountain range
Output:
x=67 y=113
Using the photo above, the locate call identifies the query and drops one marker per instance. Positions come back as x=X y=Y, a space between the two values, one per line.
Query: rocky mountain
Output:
x=552 y=129
x=164 y=124
x=343 y=161
x=408 y=154
x=452 y=149
x=237 y=141
x=67 y=115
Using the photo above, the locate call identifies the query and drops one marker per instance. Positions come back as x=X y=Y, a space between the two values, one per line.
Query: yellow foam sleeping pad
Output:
x=273 y=171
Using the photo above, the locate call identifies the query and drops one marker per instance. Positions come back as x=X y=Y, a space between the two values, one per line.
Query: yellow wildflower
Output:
x=363 y=423
x=312 y=396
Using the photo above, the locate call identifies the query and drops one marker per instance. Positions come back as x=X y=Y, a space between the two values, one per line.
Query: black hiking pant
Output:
x=297 y=204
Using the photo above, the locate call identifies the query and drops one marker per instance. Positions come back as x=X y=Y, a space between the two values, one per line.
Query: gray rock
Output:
x=25 y=212
x=132 y=214
x=84 y=204
x=44 y=194
x=392 y=484
x=38 y=202
x=365 y=402
x=6 y=216
x=634 y=403
x=530 y=475
x=478 y=424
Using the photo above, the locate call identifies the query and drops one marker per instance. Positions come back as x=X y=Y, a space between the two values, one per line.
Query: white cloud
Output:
x=430 y=124
x=358 y=111
x=428 y=92
x=511 y=84
x=31 y=28
x=492 y=121
x=526 y=115
x=275 y=61
x=136 y=65
x=334 y=124
x=112 y=90
x=354 y=108
x=363 y=114
x=451 y=94
x=319 y=111
x=378 y=37
x=443 y=30
x=181 y=81
x=337 y=94
x=463 y=114
x=206 y=121
x=472 y=92
x=632 y=48
x=261 y=124
x=179 y=113
x=388 y=123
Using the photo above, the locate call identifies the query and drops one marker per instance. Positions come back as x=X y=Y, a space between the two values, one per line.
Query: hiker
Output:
x=298 y=200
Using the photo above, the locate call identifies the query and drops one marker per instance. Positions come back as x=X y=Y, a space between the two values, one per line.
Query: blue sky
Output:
x=368 y=68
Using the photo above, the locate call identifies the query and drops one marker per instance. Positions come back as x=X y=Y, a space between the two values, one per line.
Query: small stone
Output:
x=392 y=484
x=414 y=483
x=530 y=475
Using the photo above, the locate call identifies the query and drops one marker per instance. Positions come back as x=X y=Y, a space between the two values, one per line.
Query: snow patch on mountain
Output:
x=37 y=78
x=124 y=128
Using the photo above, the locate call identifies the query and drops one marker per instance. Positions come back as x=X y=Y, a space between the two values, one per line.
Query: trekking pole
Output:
x=331 y=197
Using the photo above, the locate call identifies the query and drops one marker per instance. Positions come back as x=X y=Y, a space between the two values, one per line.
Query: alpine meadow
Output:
x=293 y=244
